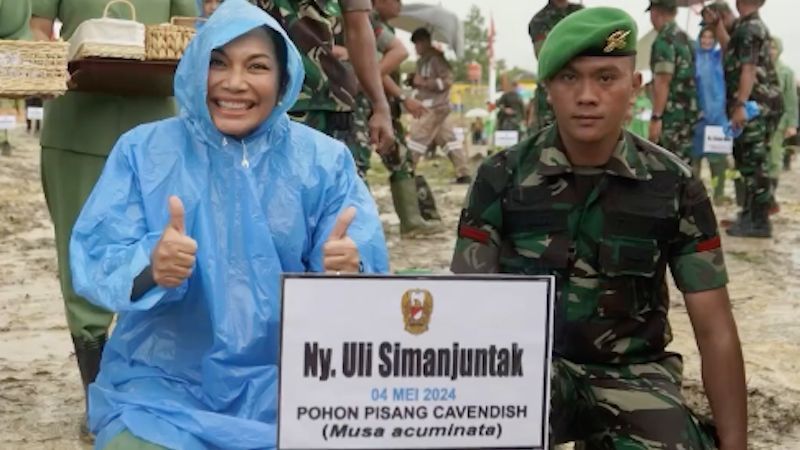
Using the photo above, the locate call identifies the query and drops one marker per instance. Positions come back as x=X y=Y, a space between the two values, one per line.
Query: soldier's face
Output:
x=243 y=83
x=591 y=96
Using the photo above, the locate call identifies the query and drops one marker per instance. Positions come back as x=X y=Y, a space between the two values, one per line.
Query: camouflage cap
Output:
x=663 y=3
x=599 y=31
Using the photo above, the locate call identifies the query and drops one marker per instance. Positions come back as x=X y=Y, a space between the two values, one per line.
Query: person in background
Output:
x=510 y=109
x=14 y=18
x=710 y=81
x=750 y=75
x=787 y=126
x=433 y=79
x=538 y=28
x=638 y=121
x=675 y=110
x=188 y=231
x=78 y=132
x=209 y=6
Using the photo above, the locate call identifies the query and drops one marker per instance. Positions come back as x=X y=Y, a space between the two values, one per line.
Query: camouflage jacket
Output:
x=672 y=53
x=513 y=121
x=750 y=44
x=329 y=84
x=538 y=29
x=607 y=234
x=544 y=21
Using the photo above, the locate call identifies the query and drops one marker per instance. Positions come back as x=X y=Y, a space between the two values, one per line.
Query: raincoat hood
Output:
x=232 y=19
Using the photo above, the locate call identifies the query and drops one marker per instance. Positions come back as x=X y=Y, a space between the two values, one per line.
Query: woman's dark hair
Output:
x=281 y=53
x=420 y=34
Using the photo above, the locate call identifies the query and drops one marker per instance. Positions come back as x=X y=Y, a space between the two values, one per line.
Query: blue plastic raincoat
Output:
x=710 y=80
x=196 y=367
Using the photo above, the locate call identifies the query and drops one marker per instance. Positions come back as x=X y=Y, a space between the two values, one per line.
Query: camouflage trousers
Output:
x=632 y=407
x=397 y=160
x=338 y=125
x=434 y=128
x=676 y=136
x=751 y=154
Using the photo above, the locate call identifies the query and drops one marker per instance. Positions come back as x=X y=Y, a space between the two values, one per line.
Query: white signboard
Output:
x=459 y=132
x=715 y=141
x=35 y=113
x=8 y=122
x=415 y=362
x=505 y=139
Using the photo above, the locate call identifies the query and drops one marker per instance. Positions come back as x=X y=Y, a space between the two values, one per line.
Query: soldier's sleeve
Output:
x=662 y=57
x=537 y=32
x=183 y=8
x=355 y=5
x=47 y=9
x=383 y=37
x=695 y=254
x=750 y=42
x=479 y=229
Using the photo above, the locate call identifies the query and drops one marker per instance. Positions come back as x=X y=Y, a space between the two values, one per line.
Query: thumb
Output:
x=342 y=223
x=176 y=214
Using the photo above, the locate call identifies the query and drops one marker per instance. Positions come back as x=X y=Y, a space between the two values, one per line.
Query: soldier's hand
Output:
x=654 y=132
x=739 y=118
x=172 y=261
x=340 y=253
x=419 y=80
x=380 y=130
x=415 y=107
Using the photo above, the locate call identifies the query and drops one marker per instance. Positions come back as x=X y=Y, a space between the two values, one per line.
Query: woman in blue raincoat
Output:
x=710 y=81
x=188 y=230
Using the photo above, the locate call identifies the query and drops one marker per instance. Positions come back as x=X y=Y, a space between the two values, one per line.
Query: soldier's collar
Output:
x=624 y=162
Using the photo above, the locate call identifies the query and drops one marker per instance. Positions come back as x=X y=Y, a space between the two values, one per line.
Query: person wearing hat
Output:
x=538 y=28
x=750 y=75
x=606 y=213
x=510 y=108
x=675 y=102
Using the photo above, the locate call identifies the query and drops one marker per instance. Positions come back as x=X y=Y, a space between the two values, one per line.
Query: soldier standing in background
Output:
x=510 y=109
x=675 y=108
x=607 y=213
x=538 y=29
x=432 y=80
x=327 y=100
x=749 y=75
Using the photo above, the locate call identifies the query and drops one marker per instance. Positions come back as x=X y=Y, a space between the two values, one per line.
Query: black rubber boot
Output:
x=88 y=353
x=427 y=204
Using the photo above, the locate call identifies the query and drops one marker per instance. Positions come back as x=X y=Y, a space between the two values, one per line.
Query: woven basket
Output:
x=33 y=68
x=124 y=48
x=168 y=41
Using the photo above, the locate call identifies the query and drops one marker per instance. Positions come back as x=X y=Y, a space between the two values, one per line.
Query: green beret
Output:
x=663 y=3
x=599 y=31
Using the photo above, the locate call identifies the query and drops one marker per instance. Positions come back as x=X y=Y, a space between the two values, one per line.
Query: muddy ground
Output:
x=40 y=392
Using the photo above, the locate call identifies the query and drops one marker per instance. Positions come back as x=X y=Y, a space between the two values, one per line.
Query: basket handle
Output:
x=194 y=20
x=130 y=5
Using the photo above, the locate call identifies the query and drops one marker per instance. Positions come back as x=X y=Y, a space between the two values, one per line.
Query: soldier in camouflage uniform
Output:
x=607 y=213
x=510 y=110
x=747 y=51
x=675 y=104
x=327 y=100
x=538 y=28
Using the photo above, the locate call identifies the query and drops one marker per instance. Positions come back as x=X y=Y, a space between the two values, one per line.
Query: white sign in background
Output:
x=35 y=113
x=715 y=141
x=506 y=138
x=324 y=409
x=8 y=122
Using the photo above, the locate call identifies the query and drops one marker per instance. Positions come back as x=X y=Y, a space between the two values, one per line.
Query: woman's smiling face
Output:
x=243 y=83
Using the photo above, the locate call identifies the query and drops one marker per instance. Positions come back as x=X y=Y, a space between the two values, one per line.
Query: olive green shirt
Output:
x=92 y=123
x=14 y=18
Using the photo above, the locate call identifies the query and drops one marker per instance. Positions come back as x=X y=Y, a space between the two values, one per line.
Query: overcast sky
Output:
x=511 y=19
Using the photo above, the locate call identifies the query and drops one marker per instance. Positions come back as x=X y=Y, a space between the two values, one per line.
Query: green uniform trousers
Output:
x=68 y=178
x=625 y=406
x=127 y=441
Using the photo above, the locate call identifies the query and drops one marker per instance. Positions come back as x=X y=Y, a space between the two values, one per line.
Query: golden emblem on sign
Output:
x=417 y=307
x=617 y=41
